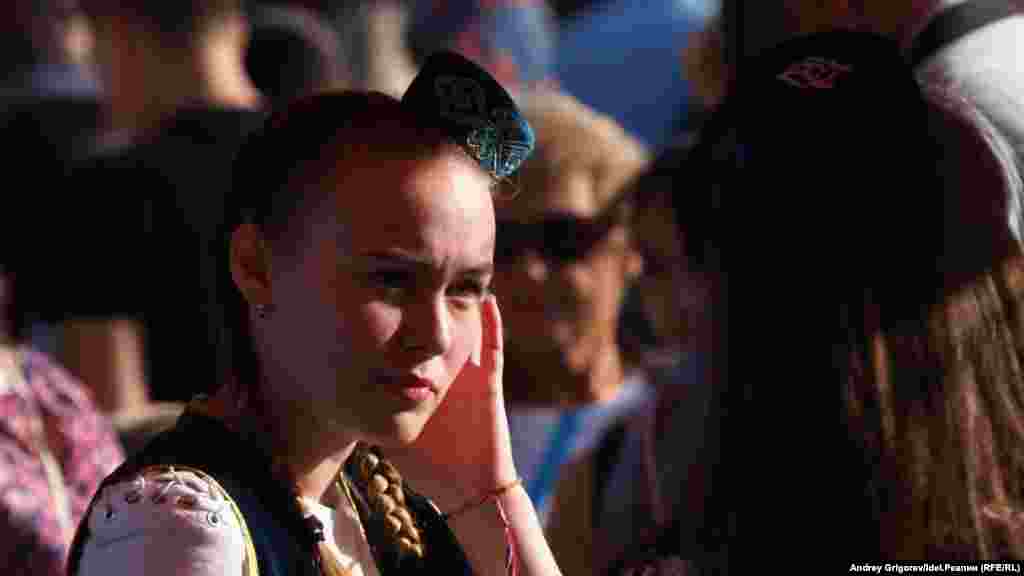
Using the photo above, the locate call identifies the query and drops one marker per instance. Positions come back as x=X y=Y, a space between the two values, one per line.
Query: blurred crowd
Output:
x=741 y=226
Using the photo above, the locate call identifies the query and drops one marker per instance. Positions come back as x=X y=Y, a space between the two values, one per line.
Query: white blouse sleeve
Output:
x=164 y=523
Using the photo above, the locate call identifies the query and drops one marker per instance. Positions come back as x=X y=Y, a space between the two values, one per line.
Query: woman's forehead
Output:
x=416 y=203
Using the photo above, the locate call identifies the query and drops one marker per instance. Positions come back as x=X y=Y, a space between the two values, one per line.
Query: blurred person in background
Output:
x=514 y=40
x=46 y=51
x=384 y=41
x=971 y=46
x=156 y=58
x=292 y=51
x=375 y=42
x=55 y=448
x=672 y=429
x=55 y=445
x=49 y=115
x=179 y=101
x=564 y=259
x=912 y=313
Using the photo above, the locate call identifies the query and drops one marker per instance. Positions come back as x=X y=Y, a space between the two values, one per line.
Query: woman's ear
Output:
x=250 y=264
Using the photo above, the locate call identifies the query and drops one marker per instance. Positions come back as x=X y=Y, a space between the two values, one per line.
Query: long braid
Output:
x=323 y=557
x=382 y=485
x=326 y=559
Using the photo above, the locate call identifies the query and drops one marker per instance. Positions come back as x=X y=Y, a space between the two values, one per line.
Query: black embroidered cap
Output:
x=824 y=139
x=827 y=114
x=474 y=109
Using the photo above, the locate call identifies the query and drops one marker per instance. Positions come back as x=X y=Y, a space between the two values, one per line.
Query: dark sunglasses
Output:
x=558 y=238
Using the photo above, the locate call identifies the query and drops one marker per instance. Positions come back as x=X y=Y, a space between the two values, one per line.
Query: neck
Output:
x=149 y=83
x=310 y=464
x=596 y=381
x=605 y=374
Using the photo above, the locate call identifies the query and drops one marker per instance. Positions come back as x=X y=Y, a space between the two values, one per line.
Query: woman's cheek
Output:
x=380 y=322
x=467 y=333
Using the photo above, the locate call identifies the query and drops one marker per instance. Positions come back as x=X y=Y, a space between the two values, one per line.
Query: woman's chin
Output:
x=407 y=435
x=399 y=431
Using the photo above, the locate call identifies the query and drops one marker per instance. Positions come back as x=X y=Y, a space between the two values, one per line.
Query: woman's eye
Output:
x=469 y=290
x=391 y=283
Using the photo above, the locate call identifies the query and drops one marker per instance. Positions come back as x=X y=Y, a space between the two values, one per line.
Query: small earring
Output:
x=262 y=310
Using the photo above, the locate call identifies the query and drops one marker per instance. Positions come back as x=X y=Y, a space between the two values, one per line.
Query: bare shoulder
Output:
x=166 y=520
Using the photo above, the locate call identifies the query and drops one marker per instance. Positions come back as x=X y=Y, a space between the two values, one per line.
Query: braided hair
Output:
x=382 y=484
x=374 y=487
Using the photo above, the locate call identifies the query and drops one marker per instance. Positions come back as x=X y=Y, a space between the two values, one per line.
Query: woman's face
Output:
x=562 y=310
x=675 y=300
x=378 y=309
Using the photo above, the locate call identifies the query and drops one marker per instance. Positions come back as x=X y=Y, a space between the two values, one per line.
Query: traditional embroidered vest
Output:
x=279 y=539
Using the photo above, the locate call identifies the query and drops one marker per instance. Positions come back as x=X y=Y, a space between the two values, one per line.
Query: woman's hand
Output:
x=464 y=450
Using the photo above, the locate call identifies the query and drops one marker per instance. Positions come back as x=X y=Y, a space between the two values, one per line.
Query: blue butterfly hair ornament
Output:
x=474 y=109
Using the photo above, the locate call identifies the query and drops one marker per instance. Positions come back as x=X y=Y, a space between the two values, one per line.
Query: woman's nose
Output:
x=536 y=268
x=428 y=327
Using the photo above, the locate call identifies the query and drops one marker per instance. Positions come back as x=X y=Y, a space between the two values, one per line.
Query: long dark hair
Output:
x=827 y=207
x=818 y=205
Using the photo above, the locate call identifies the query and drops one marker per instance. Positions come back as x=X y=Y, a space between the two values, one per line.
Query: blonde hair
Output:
x=573 y=137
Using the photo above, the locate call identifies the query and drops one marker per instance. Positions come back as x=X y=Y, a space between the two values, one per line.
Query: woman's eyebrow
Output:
x=404 y=258
x=398 y=257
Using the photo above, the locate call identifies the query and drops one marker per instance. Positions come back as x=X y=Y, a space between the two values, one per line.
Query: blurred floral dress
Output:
x=55 y=448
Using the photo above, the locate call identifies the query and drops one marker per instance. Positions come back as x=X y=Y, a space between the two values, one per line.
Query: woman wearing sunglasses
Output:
x=356 y=321
x=564 y=260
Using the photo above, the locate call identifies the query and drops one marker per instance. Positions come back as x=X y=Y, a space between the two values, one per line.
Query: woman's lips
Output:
x=414 y=381
x=410 y=386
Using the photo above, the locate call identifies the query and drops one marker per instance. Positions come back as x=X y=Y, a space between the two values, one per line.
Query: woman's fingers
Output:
x=492 y=341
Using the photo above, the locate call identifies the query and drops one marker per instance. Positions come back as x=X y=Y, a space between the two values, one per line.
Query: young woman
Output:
x=840 y=247
x=357 y=314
